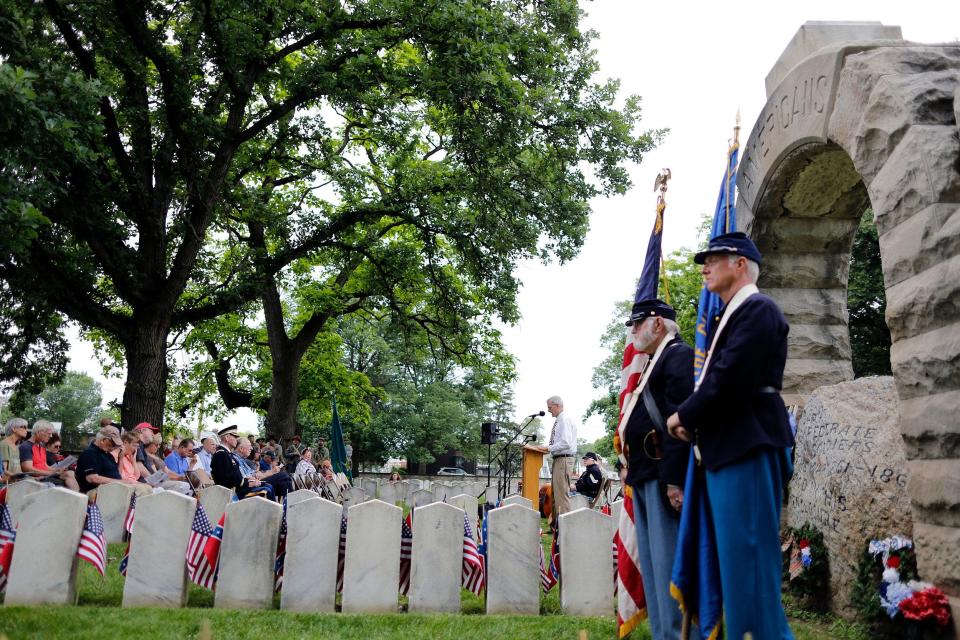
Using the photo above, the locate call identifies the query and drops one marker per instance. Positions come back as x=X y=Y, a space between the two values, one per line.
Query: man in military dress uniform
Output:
x=740 y=426
x=226 y=469
x=656 y=464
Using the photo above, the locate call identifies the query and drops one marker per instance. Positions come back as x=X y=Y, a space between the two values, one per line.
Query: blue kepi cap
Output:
x=649 y=309
x=736 y=244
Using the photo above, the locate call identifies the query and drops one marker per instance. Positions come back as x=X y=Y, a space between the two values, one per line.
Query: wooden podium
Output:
x=530 y=473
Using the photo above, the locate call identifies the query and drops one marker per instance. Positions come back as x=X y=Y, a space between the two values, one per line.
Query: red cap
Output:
x=146 y=425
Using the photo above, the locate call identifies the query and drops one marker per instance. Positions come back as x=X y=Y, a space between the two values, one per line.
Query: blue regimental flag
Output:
x=695 y=582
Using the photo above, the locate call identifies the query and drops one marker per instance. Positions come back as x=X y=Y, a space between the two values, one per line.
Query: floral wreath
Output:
x=915 y=600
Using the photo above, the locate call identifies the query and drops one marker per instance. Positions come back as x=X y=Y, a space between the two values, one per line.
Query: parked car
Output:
x=451 y=471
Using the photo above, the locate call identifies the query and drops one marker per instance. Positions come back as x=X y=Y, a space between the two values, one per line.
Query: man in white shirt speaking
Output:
x=563 y=448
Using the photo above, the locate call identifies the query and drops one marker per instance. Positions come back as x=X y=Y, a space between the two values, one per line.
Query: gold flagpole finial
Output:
x=736 y=129
x=661 y=181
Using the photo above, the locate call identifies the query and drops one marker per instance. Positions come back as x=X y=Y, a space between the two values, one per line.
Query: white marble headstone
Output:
x=586 y=586
x=18 y=492
x=44 y=565
x=422 y=498
x=388 y=492
x=215 y=500
x=248 y=555
x=513 y=561
x=439 y=491
x=114 y=502
x=299 y=496
x=310 y=566
x=371 y=574
x=157 y=569
x=515 y=499
x=579 y=501
x=353 y=496
x=469 y=505
x=437 y=559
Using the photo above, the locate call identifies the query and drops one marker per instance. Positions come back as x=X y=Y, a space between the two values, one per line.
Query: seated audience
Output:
x=33 y=458
x=228 y=471
x=305 y=466
x=128 y=466
x=54 y=445
x=280 y=480
x=588 y=484
x=96 y=465
x=14 y=432
x=208 y=446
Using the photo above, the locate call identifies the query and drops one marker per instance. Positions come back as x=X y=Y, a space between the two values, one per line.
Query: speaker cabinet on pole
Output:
x=488 y=433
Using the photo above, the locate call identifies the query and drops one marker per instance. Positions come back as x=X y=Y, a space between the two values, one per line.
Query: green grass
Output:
x=100 y=617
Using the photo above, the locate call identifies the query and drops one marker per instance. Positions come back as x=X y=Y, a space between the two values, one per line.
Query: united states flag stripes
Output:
x=203 y=549
x=281 y=550
x=131 y=514
x=341 y=552
x=93 y=545
x=406 y=546
x=472 y=577
x=8 y=535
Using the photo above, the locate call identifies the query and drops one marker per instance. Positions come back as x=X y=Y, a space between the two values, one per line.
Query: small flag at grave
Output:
x=93 y=544
x=341 y=553
x=406 y=546
x=203 y=549
x=8 y=536
x=281 y=549
x=472 y=577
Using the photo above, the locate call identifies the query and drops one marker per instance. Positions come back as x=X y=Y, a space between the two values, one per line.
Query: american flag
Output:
x=342 y=552
x=131 y=513
x=550 y=575
x=8 y=535
x=472 y=577
x=406 y=545
x=281 y=549
x=631 y=601
x=93 y=546
x=607 y=511
x=203 y=549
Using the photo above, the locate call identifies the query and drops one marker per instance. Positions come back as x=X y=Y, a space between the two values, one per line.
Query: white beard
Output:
x=644 y=337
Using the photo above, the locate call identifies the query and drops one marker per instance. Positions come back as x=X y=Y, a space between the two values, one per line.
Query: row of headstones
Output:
x=114 y=500
x=44 y=565
x=407 y=490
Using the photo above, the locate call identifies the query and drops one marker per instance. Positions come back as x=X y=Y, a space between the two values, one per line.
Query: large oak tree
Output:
x=164 y=162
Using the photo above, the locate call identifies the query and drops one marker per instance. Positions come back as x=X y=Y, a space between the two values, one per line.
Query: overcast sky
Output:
x=694 y=65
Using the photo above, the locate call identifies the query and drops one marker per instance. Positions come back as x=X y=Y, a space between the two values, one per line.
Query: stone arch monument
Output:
x=857 y=117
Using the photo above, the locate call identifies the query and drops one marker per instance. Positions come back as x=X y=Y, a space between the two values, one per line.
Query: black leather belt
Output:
x=768 y=389
x=563 y=455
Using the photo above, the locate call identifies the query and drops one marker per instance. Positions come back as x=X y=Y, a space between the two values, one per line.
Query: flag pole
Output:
x=661 y=184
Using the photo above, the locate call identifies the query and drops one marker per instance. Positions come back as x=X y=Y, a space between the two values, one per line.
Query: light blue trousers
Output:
x=745 y=500
x=656 y=543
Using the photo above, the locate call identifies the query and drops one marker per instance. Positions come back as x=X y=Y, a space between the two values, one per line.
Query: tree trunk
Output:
x=146 y=388
x=284 y=392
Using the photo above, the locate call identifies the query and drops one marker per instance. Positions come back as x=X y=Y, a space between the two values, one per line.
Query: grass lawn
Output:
x=99 y=617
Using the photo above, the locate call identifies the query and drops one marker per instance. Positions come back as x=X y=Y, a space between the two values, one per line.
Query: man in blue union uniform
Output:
x=742 y=433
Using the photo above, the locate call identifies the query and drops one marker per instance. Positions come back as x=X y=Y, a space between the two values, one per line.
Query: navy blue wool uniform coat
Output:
x=671 y=382
x=734 y=411
x=226 y=470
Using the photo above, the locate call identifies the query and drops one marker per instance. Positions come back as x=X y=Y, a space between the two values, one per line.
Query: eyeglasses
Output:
x=56 y=446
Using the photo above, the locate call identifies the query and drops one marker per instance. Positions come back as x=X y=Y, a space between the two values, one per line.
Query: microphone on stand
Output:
x=539 y=413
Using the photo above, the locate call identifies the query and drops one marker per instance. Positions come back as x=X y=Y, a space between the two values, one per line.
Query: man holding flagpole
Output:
x=656 y=463
x=741 y=431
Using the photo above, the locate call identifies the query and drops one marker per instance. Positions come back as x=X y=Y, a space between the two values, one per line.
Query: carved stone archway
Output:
x=857 y=117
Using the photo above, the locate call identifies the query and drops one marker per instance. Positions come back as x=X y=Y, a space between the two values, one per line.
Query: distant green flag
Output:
x=338 y=452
